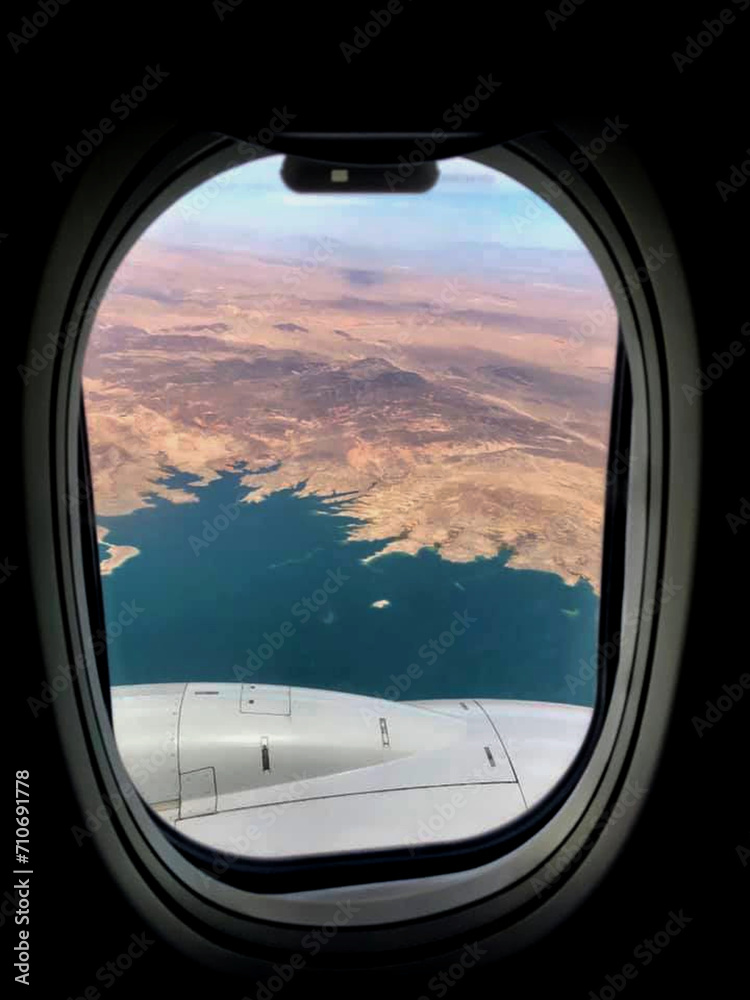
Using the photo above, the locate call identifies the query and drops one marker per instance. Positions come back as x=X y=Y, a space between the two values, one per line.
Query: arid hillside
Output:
x=464 y=414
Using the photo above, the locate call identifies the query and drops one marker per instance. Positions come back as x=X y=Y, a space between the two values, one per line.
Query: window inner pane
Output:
x=349 y=460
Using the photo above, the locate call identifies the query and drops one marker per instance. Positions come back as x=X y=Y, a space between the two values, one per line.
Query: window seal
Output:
x=297 y=874
x=149 y=868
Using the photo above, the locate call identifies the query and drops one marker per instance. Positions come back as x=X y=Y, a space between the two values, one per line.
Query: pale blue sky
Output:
x=474 y=222
x=469 y=203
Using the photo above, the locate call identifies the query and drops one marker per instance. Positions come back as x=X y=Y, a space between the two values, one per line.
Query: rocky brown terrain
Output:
x=470 y=417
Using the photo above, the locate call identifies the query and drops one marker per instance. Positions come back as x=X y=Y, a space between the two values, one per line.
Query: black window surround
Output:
x=632 y=701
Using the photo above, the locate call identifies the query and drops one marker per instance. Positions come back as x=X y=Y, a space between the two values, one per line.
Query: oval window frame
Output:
x=477 y=894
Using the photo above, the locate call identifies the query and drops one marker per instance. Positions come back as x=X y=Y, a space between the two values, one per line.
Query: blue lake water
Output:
x=278 y=593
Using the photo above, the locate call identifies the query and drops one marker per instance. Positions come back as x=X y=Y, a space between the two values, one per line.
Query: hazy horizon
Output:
x=474 y=220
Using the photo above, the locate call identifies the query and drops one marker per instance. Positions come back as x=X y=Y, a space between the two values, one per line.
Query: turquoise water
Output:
x=276 y=592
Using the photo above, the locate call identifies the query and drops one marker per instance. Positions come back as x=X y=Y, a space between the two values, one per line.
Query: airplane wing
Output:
x=275 y=771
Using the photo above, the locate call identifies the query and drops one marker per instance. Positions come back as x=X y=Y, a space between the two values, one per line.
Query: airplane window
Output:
x=349 y=455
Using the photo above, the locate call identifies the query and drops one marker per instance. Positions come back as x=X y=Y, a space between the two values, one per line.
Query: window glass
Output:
x=349 y=462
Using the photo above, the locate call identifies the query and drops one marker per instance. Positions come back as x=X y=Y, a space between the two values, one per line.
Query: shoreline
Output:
x=117 y=555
